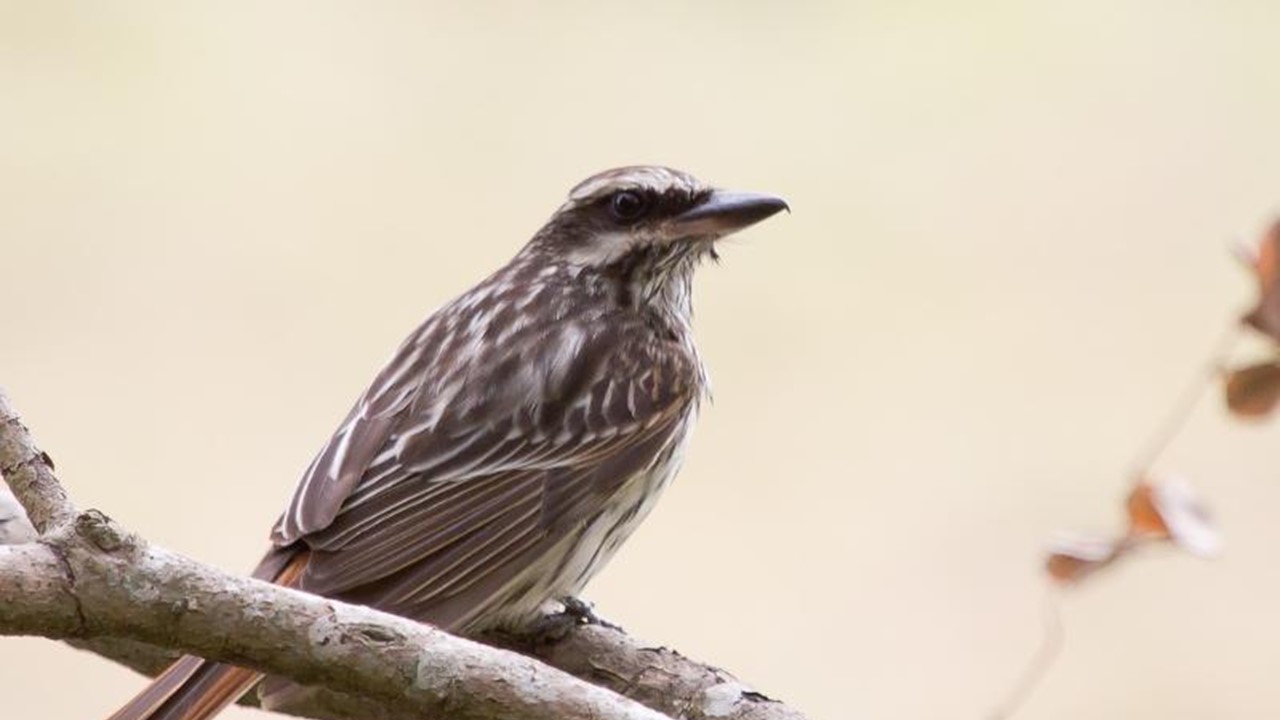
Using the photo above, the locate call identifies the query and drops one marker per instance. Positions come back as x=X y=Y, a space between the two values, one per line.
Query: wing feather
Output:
x=453 y=496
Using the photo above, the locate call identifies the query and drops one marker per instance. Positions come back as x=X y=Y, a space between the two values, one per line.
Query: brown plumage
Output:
x=516 y=438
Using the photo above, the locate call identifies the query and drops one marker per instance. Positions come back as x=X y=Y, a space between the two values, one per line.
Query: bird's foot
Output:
x=583 y=612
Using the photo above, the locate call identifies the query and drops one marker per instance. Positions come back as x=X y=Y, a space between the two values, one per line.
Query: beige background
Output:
x=1007 y=254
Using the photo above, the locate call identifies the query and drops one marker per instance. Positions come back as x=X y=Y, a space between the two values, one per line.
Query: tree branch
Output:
x=91 y=583
x=658 y=677
x=29 y=473
x=95 y=581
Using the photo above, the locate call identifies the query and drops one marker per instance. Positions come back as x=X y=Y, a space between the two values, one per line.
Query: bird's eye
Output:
x=628 y=206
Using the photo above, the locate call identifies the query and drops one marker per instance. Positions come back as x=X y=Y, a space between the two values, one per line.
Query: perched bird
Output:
x=516 y=438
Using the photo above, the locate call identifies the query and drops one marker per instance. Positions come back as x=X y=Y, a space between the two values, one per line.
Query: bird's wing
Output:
x=455 y=493
x=341 y=463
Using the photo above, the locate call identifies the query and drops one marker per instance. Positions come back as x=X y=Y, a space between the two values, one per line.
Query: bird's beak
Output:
x=725 y=211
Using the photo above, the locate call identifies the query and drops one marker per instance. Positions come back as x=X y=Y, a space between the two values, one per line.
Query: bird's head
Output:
x=643 y=214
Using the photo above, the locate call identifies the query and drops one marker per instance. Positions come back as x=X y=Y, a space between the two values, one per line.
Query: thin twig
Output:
x=1038 y=666
x=29 y=474
x=1185 y=404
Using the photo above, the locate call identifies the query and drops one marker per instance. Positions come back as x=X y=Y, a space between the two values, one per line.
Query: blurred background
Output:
x=1008 y=253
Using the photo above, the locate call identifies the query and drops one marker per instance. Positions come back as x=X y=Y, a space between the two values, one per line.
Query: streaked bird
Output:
x=515 y=439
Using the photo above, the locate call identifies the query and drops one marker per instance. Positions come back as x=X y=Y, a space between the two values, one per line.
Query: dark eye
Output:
x=628 y=206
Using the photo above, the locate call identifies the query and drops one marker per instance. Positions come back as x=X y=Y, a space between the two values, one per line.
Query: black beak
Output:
x=724 y=212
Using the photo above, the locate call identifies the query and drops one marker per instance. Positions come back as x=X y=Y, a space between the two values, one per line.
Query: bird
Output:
x=515 y=439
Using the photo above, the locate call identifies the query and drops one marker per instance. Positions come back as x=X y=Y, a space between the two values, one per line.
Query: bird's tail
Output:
x=190 y=689
x=193 y=688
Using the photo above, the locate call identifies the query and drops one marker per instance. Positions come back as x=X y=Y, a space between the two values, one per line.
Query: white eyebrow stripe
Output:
x=653 y=177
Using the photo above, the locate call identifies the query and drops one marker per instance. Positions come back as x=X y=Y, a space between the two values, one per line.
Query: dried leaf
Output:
x=1071 y=558
x=1169 y=509
x=1144 y=518
x=1265 y=316
x=1253 y=391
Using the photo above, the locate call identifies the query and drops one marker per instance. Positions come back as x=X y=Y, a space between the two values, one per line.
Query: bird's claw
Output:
x=583 y=612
